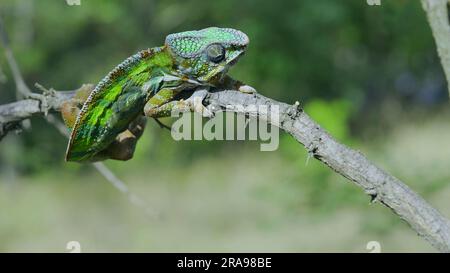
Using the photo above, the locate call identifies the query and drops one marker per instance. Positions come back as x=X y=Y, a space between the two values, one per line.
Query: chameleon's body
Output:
x=148 y=83
x=116 y=101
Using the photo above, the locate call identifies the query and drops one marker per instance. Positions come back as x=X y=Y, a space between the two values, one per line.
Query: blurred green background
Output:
x=370 y=75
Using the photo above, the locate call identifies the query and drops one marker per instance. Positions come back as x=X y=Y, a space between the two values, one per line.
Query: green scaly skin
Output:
x=146 y=82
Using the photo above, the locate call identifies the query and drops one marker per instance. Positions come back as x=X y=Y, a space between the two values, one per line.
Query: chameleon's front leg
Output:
x=153 y=108
x=162 y=105
x=192 y=104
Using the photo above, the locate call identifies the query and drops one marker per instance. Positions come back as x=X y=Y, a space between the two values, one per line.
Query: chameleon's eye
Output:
x=215 y=53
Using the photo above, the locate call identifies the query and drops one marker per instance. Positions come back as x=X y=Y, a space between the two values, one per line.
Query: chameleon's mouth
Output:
x=221 y=69
x=234 y=60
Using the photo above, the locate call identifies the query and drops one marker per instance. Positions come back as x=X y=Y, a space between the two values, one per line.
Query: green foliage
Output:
x=323 y=191
x=334 y=116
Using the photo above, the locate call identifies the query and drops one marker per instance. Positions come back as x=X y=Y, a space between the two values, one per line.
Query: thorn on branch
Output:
x=295 y=110
x=45 y=98
x=374 y=196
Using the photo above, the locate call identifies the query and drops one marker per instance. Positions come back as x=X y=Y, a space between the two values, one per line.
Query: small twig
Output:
x=22 y=89
x=437 y=14
x=2 y=76
x=12 y=114
x=122 y=187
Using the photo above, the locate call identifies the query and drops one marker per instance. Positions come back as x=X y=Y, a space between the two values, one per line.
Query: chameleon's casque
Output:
x=150 y=79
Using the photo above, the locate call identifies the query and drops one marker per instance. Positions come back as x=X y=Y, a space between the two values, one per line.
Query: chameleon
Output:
x=106 y=120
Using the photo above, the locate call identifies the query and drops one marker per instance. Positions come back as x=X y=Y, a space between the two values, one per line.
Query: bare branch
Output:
x=21 y=87
x=13 y=113
x=437 y=15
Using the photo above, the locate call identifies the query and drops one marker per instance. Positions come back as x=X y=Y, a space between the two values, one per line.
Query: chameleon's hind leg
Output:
x=71 y=108
x=166 y=109
x=124 y=145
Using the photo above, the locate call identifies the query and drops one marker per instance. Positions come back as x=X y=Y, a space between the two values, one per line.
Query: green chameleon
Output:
x=107 y=120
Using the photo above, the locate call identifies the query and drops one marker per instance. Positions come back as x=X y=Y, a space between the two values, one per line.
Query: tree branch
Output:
x=13 y=113
x=437 y=15
x=375 y=182
x=380 y=185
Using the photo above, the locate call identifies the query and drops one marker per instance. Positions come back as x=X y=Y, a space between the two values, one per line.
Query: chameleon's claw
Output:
x=121 y=149
x=195 y=103
x=247 y=89
x=137 y=126
x=71 y=107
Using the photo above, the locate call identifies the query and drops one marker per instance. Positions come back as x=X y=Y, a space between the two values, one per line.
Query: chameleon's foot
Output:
x=123 y=147
x=84 y=91
x=69 y=113
x=71 y=108
x=195 y=103
x=247 y=89
x=137 y=126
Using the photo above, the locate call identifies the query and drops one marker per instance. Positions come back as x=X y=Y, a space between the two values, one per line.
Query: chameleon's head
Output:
x=207 y=53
